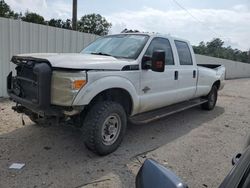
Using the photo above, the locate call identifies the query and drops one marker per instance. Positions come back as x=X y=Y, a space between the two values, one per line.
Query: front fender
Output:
x=91 y=90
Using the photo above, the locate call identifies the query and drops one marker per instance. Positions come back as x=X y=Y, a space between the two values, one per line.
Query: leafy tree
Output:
x=60 y=23
x=216 y=48
x=67 y=24
x=94 y=23
x=6 y=12
x=55 y=23
x=201 y=49
x=215 y=43
x=33 y=17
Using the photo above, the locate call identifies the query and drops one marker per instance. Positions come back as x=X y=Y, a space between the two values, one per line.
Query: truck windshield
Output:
x=119 y=46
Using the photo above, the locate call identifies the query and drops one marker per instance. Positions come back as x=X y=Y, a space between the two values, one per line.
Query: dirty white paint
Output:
x=21 y=37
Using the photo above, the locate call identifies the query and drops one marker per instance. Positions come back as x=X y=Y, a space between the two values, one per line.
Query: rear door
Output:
x=158 y=89
x=187 y=72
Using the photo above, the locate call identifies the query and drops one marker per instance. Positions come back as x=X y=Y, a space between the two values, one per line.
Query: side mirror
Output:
x=152 y=174
x=156 y=62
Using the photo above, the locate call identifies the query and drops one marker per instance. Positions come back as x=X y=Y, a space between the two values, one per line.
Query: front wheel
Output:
x=104 y=127
x=212 y=99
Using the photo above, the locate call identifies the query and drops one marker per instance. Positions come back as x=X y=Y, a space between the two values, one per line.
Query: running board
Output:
x=150 y=116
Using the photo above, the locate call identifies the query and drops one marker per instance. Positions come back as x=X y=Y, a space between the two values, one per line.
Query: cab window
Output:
x=161 y=44
x=183 y=53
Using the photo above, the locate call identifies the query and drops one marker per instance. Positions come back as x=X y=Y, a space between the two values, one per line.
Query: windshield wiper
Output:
x=100 y=53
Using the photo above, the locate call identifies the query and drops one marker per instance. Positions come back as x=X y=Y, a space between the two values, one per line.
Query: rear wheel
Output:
x=212 y=99
x=104 y=127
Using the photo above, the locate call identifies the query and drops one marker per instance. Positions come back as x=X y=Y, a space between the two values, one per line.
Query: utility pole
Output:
x=74 y=15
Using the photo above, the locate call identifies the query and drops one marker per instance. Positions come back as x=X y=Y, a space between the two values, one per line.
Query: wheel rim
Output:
x=111 y=129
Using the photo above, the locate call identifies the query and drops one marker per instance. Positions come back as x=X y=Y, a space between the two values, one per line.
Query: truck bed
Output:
x=211 y=66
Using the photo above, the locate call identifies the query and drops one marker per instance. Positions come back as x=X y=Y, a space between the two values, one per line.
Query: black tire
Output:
x=212 y=99
x=96 y=127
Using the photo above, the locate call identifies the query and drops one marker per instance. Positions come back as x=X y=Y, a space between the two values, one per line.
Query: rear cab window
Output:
x=184 y=53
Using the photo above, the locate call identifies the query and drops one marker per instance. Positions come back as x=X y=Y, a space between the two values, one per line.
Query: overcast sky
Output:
x=201 y=21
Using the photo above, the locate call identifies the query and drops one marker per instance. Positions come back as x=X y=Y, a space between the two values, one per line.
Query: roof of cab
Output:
x=153 y=35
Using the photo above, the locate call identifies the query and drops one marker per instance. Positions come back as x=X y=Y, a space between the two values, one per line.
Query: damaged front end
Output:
x=40 y=92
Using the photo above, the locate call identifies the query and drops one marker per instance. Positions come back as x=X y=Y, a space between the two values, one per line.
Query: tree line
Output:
x=96 y=24
x=216 y=48
x=90 y=23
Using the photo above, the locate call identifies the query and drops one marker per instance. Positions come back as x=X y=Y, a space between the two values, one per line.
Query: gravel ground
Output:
x=197 y=145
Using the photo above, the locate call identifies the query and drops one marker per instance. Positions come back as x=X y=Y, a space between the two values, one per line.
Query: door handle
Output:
x=176 y=75
x=194 y=74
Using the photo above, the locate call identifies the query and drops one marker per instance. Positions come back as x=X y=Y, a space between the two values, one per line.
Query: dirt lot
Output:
x=198 y=146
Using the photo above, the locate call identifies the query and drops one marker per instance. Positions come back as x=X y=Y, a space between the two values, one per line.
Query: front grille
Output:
x=25 y=83
x=31 y=85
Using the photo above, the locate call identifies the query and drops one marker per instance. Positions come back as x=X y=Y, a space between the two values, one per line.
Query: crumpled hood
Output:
x=79 y=61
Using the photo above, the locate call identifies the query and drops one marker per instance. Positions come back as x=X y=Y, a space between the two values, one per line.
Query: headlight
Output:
x=65 y=86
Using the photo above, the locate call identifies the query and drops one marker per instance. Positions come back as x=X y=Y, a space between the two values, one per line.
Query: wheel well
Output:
x=118 y=95
x=217 y=84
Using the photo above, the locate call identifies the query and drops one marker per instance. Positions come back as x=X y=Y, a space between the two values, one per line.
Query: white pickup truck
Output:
x=130 y=76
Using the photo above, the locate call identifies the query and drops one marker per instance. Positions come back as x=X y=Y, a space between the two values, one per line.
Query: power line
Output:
x=198 y=20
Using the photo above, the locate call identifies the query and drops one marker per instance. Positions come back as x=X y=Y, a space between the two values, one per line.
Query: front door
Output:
x=158 y=89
